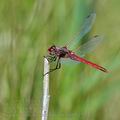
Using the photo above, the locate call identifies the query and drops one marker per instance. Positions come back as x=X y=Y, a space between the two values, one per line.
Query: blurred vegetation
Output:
x=78 y=92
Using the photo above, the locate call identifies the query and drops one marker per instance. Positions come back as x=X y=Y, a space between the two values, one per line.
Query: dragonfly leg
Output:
x=51 y=58
x=58 y=66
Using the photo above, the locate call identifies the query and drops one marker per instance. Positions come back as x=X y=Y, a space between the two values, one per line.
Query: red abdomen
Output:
x=77 y=58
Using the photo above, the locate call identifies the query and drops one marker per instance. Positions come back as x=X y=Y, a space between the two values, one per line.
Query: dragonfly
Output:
x=56 y=53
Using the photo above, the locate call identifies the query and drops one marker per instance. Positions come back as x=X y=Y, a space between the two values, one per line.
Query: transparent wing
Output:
x=89 y=21
x=69 y=61
x=90 y=45
x=85 y=48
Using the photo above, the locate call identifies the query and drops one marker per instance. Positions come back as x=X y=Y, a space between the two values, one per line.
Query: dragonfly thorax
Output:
x=58 y=51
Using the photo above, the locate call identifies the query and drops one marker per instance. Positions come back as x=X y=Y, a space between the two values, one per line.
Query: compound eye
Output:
x=53 y=47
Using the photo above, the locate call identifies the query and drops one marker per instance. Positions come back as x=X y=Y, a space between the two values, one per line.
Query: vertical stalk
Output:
x=46 y=95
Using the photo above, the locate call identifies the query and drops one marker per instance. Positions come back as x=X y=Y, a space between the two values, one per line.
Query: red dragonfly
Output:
x=56 y=53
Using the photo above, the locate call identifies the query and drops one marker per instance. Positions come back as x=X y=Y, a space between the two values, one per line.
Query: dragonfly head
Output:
x=52 y=49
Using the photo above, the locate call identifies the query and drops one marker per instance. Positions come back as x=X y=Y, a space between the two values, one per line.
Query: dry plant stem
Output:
x=46 y=95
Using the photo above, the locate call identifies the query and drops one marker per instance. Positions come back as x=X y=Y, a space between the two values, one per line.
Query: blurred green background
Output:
x=78 y=92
